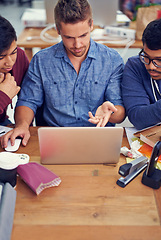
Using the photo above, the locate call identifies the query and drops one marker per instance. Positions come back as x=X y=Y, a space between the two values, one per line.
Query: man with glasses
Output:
x=141 y=85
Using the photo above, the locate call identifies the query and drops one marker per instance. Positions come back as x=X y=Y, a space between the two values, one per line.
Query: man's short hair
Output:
x=72 y=11
x=152 y=35
x=7 y=34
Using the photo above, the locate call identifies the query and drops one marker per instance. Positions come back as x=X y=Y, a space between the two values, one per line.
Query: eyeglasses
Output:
x=146 y=60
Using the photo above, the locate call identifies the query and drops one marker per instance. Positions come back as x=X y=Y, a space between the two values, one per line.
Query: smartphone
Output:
x=153 y=159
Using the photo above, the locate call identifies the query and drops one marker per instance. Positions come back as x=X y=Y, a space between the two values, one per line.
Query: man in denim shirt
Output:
x=77 y=80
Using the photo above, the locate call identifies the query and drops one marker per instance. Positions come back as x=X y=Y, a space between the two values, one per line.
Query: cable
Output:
x=112 y=41
x=47 y=37
x=29 y=38
x=131 y=42
x=126 y=41
x=101 y=36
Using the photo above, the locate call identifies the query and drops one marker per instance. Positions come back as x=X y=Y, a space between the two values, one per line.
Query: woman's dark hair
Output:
x=72 y=11
x=7 y=34
x=152 y=35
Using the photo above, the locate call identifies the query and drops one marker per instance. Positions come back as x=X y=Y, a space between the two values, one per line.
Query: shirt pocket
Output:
x=57 y=93
x=93 y=90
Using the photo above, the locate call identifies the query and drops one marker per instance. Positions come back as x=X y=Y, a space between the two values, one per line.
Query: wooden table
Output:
x=86 y=206
x=37 y=42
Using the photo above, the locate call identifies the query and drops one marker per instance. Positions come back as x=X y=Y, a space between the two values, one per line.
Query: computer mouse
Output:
x=15 y=147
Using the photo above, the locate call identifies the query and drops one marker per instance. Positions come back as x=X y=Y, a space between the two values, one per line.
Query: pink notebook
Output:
x=37 y=177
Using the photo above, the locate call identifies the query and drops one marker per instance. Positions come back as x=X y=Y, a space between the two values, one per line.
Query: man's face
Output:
x=76 y=38
x=8 y=58
x=154 y=71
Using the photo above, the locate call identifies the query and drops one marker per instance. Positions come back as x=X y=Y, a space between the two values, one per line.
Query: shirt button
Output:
x=78 y=119
x=76 y=102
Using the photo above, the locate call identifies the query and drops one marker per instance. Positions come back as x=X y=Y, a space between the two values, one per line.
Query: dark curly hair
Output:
x=7 y=34
x=152 y=35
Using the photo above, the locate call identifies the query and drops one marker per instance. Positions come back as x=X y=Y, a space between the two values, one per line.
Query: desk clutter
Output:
x=151 y=176
x=144 y=153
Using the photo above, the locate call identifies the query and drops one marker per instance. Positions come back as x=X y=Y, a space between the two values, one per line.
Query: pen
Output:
x=2 y=132
x=150 y=134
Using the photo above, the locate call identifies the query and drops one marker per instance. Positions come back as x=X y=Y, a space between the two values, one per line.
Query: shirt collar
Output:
x=61 y=52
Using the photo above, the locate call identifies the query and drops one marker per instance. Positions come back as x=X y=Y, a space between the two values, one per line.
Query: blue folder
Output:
x=7 y=208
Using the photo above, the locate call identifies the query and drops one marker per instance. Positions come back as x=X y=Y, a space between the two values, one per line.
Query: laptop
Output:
x=104 y=11
x=80 y=145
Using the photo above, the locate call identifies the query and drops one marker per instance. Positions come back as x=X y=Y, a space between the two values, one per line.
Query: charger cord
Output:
x=47 y=37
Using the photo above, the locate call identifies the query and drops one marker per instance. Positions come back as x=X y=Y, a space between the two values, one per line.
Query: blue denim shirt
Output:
x=68 y=96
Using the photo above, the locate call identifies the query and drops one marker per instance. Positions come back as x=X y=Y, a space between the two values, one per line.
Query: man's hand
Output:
x=23 y=118
x=8 y=85
x=22 y=132
x=103 y=114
